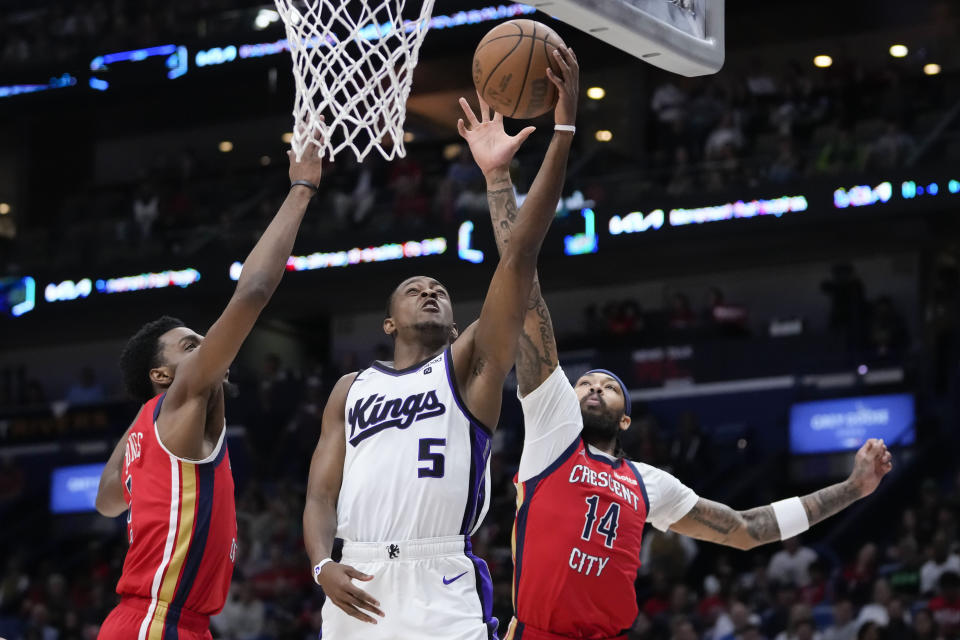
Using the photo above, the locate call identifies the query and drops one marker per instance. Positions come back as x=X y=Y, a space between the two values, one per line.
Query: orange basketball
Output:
x=510 y=68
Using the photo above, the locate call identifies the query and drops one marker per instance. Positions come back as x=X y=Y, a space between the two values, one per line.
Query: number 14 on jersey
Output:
x=605 y=527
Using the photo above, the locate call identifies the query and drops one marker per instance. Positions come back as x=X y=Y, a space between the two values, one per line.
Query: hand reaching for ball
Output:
x=492 y=148
x=568 y=84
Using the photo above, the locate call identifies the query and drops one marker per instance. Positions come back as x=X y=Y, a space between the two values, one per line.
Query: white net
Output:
x=353 y=62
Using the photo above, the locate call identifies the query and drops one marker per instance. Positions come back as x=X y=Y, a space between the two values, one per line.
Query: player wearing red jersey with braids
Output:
x=581 y=505
x=171 y=469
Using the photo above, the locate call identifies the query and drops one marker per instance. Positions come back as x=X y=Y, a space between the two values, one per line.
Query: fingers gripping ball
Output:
x=510 y=68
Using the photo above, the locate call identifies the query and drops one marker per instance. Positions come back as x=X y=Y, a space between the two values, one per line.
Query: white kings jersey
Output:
x=417 y=463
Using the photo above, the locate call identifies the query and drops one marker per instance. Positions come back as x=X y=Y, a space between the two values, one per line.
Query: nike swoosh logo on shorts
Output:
x=453 y=579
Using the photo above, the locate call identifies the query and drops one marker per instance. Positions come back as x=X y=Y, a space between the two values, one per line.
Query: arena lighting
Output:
x=161 y=280
x=463 y=244
x=4 y=208
x=604 y=135
x=953 y=186
x=68 y=290
x=822 y=61
x=99 y=84
x=899 y=51
x=265 y=18
x=381 y=253
x=596 y=93
x=862 y=195
x=176 y=58
x=931 y=68
x=18 y=295
x=225 y=146
x=740 y=209
x=408 y=136
x=59 y=82
x=222 y=55
x=287 y=137
x=585 y=242
x=636 y=222
x=264 y=161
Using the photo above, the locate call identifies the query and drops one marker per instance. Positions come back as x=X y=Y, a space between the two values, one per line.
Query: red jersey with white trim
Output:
x=577 y=547
x=182 y=527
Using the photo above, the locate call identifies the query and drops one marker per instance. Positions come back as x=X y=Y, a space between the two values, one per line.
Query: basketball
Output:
x=510 y=68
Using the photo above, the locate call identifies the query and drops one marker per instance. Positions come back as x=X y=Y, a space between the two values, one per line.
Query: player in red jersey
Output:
x=581 y=505
x=171 y=468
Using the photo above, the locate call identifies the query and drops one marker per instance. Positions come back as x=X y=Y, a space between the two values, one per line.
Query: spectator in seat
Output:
x=891 y=149
x=844 y=625
x=945 y=607
x=87 y=390
x=876 y=610
x=924 y=626
x=887 y=332
x=942 y=560
x=791 y=564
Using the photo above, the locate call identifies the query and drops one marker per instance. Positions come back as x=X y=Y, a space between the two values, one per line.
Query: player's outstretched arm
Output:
x=204 y=369
x=110 y=500
x=493 y=151
x=495 y=334
x=715 y=522
x=320 y=511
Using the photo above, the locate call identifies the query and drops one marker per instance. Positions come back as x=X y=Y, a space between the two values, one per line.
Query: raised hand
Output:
x=310 y=166
x=568 y=84
x=337 y=582
x=492 y=148
x=871 y=463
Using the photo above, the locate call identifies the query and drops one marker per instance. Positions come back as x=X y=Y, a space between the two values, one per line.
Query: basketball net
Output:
x=353 y=62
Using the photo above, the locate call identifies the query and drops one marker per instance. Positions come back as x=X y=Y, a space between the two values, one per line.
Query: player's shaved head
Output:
x=429 y=279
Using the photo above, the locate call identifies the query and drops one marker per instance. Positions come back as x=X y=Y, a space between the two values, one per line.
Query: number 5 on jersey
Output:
x=608 y=524
x=427 y=454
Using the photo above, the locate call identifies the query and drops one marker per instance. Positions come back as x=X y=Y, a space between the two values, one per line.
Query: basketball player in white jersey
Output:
x=400 y=472
x=572 y=449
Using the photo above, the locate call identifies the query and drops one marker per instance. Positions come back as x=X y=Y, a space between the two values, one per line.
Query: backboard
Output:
x=682 y=36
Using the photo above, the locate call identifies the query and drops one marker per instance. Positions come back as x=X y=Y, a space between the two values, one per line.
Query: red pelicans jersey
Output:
x=580 y=519
x=182 y=530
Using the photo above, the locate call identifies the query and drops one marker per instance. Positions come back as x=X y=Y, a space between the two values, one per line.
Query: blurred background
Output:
x=768 y=256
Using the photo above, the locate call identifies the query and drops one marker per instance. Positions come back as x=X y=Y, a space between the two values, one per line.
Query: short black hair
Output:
x=142 y=353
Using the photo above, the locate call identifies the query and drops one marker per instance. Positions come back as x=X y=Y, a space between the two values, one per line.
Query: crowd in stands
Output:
x=730 y=131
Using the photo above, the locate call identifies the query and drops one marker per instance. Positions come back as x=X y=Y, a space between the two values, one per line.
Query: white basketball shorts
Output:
x=432 y=588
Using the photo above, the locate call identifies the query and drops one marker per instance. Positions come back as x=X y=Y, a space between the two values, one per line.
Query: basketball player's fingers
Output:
x=461 y=128
x=497 y=116
x=351 y=610
x=523 y=135
x=560 y=55
x=364 y=601
x=468 y=111
x=357 y=575
x=484 y=109
x=555 y=79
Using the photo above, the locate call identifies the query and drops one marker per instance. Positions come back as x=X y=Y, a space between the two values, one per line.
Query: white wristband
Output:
x=318 y=568
x=791 y=517
x=565 y=127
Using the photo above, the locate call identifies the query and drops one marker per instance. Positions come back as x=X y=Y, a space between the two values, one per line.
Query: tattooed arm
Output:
x=537 y=350
x=715 y=522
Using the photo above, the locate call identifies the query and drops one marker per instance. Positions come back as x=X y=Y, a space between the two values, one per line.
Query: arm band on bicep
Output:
x=791 y=517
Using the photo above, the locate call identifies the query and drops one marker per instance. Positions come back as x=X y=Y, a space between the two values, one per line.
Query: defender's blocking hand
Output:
x=492 y=148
